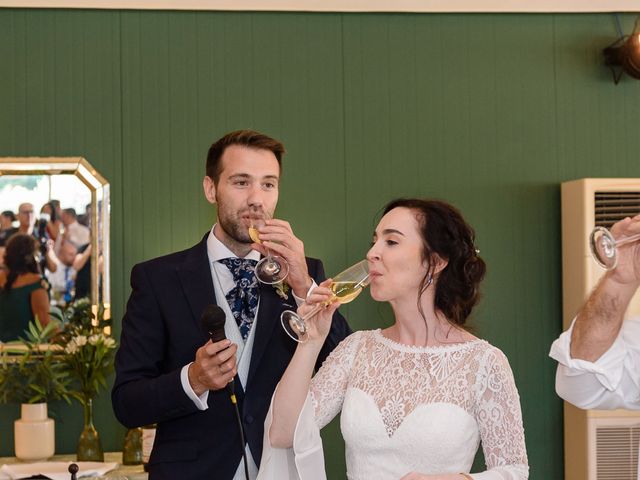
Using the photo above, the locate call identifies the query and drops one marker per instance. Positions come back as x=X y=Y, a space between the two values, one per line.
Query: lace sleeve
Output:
x=500 y=420
x=330 y=383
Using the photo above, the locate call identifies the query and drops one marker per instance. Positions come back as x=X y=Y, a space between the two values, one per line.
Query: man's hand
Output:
x=599 y=321
x=628 y=268
x=279 y=238
x=214 y=366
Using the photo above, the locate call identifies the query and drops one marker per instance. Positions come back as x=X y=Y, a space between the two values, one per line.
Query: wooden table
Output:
x=128 y=472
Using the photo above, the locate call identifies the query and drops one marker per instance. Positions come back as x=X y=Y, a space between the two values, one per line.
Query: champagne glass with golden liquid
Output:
x=346 y=286
x=271 y=269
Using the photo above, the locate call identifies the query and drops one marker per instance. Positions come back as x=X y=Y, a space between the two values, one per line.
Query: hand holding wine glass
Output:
x=618 y=250
x=276 y=238
x=318 y=320
x=344 y=287
x=272 y=268
x=621 y=243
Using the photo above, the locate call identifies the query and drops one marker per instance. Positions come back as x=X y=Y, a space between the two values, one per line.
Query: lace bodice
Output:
x=421 y=409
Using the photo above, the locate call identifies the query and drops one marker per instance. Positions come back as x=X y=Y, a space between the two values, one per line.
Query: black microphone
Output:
x=212 y=321
x=42 y=227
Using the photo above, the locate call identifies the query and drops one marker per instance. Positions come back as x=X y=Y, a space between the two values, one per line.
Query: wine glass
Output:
x=271 y=269
x=604 y=247
x=346 y=286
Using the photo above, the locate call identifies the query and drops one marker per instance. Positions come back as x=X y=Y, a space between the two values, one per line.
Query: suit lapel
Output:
x=271 y=306
x=197 y=285
x=195 y=277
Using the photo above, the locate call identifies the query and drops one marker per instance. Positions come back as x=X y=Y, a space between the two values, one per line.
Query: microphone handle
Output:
x=217 y=336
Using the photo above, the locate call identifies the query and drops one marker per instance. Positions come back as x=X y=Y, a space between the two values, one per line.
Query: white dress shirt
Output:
x=59 y=281
x=612 y=381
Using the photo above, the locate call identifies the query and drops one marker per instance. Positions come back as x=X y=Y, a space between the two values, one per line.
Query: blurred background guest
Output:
x=72 y=278
x=85 y=218
x=52 y=224
x=73 y=231
x=27 y=218
x=6 y=226
x=62 y=281
x=23 y=292
x=6 y=230
x=83 y=267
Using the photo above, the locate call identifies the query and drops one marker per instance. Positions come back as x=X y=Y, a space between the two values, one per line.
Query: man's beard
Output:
x=234 y=227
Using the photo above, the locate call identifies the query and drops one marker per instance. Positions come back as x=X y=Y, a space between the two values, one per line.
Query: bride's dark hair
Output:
x=446 y=233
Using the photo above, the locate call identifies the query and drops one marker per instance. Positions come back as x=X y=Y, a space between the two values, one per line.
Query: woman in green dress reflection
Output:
x=23 y=291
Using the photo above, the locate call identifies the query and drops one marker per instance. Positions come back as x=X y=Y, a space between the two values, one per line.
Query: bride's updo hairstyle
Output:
x=446 y=234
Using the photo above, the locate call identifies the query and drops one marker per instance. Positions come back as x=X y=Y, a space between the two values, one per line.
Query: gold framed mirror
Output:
x=73 y=181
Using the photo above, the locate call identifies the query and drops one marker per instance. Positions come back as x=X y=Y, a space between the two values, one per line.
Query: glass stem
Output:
x=317 y=308
x=626 y=240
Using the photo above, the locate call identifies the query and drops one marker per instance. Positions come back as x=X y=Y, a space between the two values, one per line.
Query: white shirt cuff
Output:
x=300 y=301
x=199 y=401
x=608 y=368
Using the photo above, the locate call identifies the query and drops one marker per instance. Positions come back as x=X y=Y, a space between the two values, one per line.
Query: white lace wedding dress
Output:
x=404 y=409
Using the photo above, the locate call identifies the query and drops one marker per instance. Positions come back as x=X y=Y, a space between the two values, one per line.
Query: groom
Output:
x=167 y=372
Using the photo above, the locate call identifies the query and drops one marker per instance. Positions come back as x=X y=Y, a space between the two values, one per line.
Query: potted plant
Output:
x=87 y=358
x=31 y=374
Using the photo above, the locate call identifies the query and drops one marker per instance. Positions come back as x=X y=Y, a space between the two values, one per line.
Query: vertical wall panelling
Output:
x=489 y=111
x=60 y=96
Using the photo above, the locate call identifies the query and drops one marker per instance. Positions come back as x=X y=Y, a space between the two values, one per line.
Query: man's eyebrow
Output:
x=247 y=175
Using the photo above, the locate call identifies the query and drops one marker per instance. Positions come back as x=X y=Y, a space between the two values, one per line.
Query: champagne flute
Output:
x=271 y=269
x=604 y=247
x=346 y=286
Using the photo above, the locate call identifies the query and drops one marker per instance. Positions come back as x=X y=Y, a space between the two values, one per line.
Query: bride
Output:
x=418 y=397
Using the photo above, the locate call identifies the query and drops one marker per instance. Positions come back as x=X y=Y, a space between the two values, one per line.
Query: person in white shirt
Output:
x=73 y=231
x=62 y=281
x=599 y=355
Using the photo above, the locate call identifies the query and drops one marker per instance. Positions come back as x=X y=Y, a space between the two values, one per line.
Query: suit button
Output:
x=248 y=419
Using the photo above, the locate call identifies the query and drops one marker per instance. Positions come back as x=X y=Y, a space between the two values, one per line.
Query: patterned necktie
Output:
x=243 y=298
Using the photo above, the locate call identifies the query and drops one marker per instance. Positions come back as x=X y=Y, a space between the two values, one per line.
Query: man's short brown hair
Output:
x=244 y=138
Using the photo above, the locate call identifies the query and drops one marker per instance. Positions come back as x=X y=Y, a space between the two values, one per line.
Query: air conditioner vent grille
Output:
x=614 y=206
x=617 y=452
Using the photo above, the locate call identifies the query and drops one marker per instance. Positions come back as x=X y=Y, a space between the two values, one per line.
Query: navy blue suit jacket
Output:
x=160 y=334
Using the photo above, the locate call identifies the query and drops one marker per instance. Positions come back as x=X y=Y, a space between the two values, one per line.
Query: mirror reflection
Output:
x=53 y=238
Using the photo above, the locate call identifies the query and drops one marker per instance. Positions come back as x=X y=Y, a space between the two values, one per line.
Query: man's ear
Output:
x=209 y=188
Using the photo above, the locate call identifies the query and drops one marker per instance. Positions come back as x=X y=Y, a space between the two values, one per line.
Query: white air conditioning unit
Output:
x=598 y=444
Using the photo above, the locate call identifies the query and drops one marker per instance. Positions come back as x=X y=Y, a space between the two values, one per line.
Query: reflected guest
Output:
x=23 y=293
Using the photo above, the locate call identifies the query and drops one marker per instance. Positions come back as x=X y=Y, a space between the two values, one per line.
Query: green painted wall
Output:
x=491 y=112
